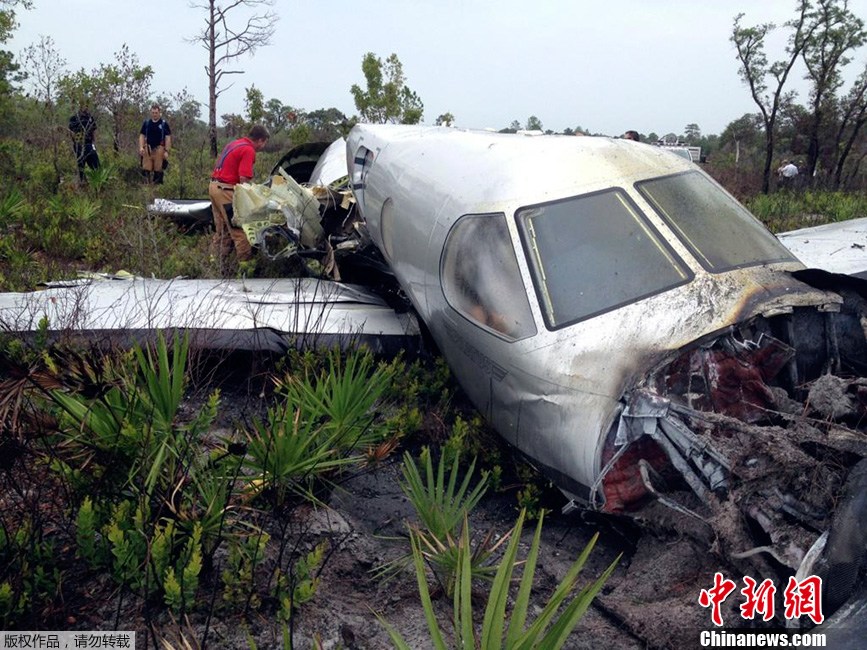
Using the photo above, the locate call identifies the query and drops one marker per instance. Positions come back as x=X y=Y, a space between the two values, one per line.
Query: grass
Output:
x=784 y=211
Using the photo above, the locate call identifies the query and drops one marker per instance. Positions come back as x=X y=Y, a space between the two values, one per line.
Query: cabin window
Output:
x=481 y=279
x=593 y=253
x=361 y=165
x=718 y=230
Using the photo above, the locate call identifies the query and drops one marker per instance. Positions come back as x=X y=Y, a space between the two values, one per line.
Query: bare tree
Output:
x=756 y=71
x=45 y=69
x=232 y=30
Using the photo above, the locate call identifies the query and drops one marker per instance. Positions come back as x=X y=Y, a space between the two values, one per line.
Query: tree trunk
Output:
x=769 y=158
x=847 y=149
x=212 y=81
x=813 y=145
x=115 y=136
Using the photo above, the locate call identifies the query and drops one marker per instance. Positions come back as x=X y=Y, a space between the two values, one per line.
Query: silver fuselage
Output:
x=555 y=393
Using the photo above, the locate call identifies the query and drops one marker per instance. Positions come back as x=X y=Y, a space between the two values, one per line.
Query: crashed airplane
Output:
x=630 y=328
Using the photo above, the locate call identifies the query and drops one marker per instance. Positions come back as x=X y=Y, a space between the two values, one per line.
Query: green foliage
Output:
x=254 y=102
x=529 y=496
x=429 y=387
x=387 y=97
x=206 y=503
x=324 y=422
x=440 y=503
x=470 y=437
x=286 y=452
x=528 y=499
x=533 y=124
x=152 y=559
x=783 y=211
x=7 y=603
x=300 y=585
x=18 y=268
x=12 y=207
x=500 y=628
x=30 y=568
x=128 y=545
x=9 y=74
x=87 y=526
x=342 y=395
x=81 y=208
x=444 y=555
x=132 y=423
x=97 y=179
x=245 y=554
x=178 y=595
x=299 y=134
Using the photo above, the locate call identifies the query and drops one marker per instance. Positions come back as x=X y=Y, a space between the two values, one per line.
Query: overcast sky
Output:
x=607 y=66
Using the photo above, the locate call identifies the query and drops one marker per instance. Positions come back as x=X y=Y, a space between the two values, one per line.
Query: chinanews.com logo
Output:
x=753 y=639
x=800 y=598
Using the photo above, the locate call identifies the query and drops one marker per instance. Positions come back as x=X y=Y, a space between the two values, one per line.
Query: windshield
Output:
x=718 y=230
x=593 y=253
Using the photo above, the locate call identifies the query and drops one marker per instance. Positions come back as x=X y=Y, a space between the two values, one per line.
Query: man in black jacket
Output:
x=82 y=127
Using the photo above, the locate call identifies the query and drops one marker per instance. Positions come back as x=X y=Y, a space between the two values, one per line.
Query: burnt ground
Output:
x=651 y=601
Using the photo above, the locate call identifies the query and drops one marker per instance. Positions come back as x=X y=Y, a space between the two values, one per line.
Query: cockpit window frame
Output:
x=540 y=285
x=701 y=256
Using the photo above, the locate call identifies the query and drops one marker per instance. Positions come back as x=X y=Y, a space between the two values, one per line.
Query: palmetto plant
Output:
x=101 y=176
x=439 y=501
x=12 y=207
x=131 y=428
x=325 y=421
x=442 y=503
x=342 y=396
x=502 y=629
x=287 y=451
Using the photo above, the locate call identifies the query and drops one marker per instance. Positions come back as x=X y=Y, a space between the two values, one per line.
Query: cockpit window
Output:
x=593 y=253
x=481 y=279
x=720 y=232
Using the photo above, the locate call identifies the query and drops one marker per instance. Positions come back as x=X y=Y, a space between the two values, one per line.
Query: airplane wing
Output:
x=257 y=314
x=839 y=247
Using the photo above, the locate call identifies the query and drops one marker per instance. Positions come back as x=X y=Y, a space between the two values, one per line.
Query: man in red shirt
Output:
x=235 y=165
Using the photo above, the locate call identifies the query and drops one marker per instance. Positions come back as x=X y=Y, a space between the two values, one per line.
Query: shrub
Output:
x=502 y=629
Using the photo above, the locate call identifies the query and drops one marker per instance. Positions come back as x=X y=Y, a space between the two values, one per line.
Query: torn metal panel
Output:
x=240 y=314
x=839 y=247
x=284 y=202
x=314 y=164
x=190 y=213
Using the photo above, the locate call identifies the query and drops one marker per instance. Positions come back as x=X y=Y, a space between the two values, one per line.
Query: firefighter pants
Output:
x=226 y=236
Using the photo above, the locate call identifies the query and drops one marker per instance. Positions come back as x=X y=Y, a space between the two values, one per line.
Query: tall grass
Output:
x=782 y=211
